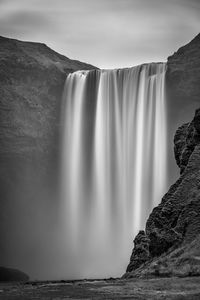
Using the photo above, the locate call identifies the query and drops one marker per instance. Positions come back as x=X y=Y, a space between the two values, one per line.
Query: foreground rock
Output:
x=170 y=244
x=8 y=274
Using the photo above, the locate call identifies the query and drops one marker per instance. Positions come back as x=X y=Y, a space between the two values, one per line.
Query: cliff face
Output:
x=32 y=78
x=170 y=243
x=183 y=91
x=183 y=73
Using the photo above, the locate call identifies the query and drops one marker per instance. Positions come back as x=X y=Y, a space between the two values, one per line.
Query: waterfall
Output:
x=113 y=163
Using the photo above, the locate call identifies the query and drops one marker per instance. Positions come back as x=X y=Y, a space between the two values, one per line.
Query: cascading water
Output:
x=113 y=163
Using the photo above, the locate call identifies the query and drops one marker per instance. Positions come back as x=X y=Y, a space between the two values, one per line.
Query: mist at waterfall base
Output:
x=114 y=164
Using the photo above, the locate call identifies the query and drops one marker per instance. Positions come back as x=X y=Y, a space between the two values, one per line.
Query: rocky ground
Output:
x=151 y=289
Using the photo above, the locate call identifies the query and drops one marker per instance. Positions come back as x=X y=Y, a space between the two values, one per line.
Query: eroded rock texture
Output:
x=172 y=234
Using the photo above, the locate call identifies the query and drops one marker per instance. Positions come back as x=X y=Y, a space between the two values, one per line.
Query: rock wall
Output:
x=183 y=72
x=169 y=245
x=32 y=77
x=182 y=87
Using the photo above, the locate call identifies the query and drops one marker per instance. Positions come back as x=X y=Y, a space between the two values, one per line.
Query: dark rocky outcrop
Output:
x=8 y=274
x=140 y=252
x=170 y=243
x=172 y=230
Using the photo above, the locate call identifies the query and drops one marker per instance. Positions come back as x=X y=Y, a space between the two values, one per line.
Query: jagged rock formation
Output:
x=172 y=231
x=32 y=78
x=170 y=243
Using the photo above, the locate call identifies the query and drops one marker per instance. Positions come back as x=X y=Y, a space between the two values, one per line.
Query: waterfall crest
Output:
x=113 y=163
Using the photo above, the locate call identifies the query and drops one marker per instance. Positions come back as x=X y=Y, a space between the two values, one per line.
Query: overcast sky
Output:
x=105 y=33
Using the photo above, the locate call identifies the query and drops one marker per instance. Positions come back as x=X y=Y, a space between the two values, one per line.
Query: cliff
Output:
x=183 y=74
x=32 y=78
x=170 y=243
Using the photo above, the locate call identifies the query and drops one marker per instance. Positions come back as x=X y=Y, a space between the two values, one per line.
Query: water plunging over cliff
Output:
x=114 y=162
